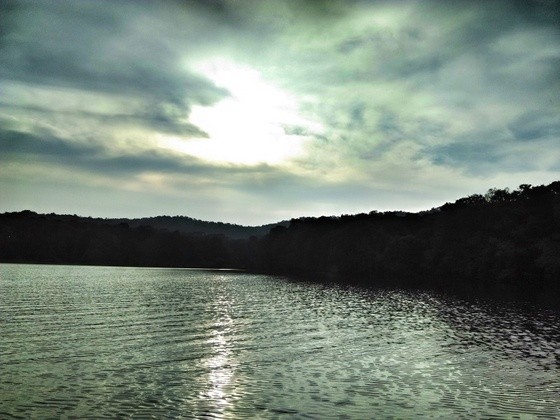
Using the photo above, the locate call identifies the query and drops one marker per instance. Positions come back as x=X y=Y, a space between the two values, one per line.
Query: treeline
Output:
x=194 y=226
x=182 y=224
x=52 y=239
x=504 y=243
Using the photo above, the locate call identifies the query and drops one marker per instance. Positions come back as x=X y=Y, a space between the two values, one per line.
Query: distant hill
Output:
x=182 y=224
x=194 y=226
x=163 y=241
x=29 y=237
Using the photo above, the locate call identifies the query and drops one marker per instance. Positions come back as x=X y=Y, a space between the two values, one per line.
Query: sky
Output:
x=256 y=111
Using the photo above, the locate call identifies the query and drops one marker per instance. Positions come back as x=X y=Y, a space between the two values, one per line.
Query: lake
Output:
x=167 y=343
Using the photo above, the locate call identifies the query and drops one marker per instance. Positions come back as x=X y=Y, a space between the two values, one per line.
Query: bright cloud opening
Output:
x=248 y=126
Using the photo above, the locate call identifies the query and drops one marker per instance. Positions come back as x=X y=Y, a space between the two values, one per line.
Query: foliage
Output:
x=30 y=237
x=505 y=243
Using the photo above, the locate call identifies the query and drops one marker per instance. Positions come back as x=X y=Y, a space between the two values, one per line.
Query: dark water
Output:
x=107 y=342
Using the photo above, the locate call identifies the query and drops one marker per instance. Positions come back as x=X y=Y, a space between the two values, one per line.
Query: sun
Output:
x=247 y=127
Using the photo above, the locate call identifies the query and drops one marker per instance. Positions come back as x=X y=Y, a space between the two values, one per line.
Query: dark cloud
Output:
x=536 y=125
x=7 y=24
x=163 y=120
x=92 y=46
x=470 y=153
x=39 y=145
x=496 y=152
x=323 y=9
x=388 y=123
x=357 y=115
x=47 y=147
x=444 y=32
x=539 y=11
x=155 y=117
x=296 y=130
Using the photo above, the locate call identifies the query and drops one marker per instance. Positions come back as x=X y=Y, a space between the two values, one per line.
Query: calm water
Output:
x=105 y=342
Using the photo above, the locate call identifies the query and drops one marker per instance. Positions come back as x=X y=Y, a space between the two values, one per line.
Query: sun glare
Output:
x=247 y=127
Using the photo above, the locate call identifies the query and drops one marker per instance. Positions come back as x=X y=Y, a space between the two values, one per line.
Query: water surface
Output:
x=105 y=342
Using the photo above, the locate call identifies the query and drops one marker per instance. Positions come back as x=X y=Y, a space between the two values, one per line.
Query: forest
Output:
x=501 y=244
x=63 y=239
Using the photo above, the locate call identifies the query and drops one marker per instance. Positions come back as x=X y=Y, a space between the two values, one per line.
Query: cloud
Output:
x=494 y=153
x=441 y=78
x=47 y=148
x=398 y=102
x=534 y=125
x=105 y=48
x=94 y=157
x=14 y=143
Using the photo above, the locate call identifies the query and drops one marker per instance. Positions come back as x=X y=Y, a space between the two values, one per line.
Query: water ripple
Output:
x=93 y=342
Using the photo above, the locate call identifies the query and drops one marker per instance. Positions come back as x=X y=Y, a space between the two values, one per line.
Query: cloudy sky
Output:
x=254 y=111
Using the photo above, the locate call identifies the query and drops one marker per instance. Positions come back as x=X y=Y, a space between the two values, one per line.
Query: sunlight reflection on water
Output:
x=220 y=365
